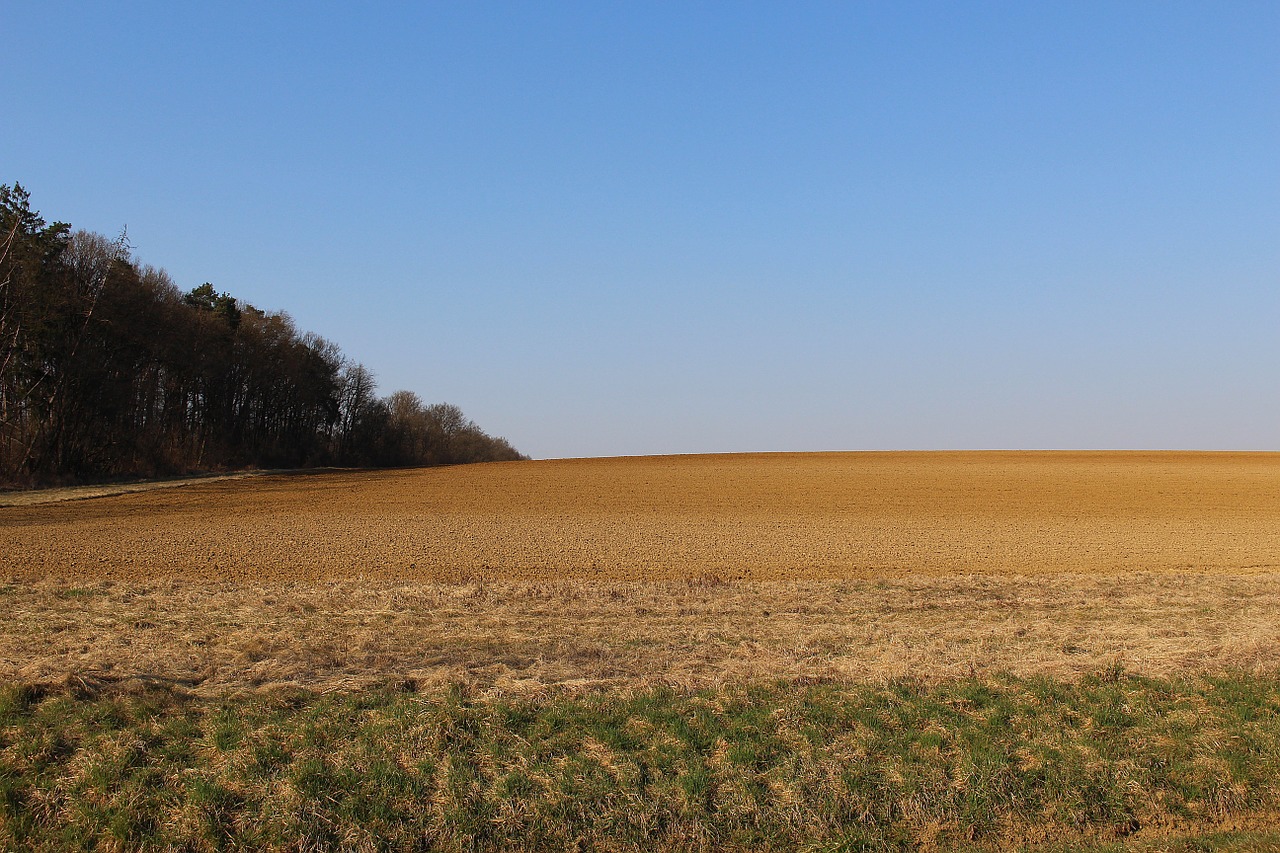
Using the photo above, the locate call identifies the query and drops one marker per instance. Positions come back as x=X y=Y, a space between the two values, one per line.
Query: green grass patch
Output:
x=1111 y=762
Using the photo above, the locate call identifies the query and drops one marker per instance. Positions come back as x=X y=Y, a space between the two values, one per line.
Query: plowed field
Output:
x=721 y=517
x=682 y=570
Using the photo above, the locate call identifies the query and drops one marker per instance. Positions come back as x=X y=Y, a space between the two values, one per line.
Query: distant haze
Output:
x=606 y=229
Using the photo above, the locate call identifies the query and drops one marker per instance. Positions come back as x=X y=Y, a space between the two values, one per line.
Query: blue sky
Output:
x=627 y=228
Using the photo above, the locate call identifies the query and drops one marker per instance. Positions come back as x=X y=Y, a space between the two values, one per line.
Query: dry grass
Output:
x=514 y=638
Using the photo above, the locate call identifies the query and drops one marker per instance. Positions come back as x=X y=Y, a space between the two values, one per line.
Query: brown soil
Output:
x=727 y=517
x=686 y=570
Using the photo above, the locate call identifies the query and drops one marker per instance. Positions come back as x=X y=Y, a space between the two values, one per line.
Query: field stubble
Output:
x=514 y=638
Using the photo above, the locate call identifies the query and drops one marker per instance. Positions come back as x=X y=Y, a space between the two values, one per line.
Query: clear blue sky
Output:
x=621 y=228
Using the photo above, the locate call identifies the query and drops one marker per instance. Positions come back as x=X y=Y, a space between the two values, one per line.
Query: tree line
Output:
x=108 y=370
